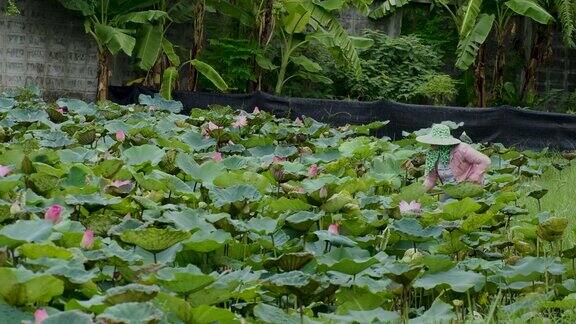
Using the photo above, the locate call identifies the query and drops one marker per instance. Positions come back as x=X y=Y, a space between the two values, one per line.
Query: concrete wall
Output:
x=47 y=47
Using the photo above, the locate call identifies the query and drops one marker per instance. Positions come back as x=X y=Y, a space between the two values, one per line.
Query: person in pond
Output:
x=449 y=160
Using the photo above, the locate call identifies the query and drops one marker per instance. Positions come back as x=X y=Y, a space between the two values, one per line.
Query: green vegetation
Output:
x=138 y=214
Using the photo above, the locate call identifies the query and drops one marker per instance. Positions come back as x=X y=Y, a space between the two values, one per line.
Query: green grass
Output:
x=561 y=196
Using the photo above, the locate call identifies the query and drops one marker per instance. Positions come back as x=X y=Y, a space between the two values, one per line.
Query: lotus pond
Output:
x=138 y=214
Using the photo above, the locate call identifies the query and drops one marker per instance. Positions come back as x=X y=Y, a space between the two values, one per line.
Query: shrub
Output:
x=438 y=90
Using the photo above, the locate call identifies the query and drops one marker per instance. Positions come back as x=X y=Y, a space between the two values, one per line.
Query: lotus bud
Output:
x=128 y=216
x=87 y=240
x=277 y=172
x=15 y=208
x=299 y=190
x=323 y=193
x=40 y=315
x=120 y=136
x=27 y=166
x=278 y=159
x=212 y=126
x=298 y=122
x=334 y=229
x=313 y=171
x=457 y=302
x=53 y=213
x=4 y=170
x=411 y=255
x=217 y=156
x=256 y=110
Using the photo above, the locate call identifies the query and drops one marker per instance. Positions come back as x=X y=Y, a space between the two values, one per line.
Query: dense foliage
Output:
x=135 y=214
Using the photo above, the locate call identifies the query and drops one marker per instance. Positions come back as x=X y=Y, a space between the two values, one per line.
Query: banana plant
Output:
x=302 y=21
x=113 y=25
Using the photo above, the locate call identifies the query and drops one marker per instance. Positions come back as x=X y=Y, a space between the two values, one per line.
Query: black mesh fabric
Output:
x=513 y=127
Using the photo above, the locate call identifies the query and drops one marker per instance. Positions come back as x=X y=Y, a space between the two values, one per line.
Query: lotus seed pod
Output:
x=202 y=204
x=552 y=228
x=412 y=255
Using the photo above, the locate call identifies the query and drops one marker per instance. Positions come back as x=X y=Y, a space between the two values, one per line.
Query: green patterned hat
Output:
x=438 y=135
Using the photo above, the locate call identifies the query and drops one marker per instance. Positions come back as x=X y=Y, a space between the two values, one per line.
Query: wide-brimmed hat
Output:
x=439 y=135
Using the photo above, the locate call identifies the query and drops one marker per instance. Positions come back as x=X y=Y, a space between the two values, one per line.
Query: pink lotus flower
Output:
x=217 y=156
x=240 y=122
x=121 y=183
x=40 y=315
x=212 y=126
x=256 y=110
x=313 y=171
x=412 y=207
x=4 y=170
x=87 y=240
x=53 y=213
x=298 y=122
x=120 y=136
x=334 y=229
x=128 y=216
x=323 y=193
x=61 y=110
x=278 y=159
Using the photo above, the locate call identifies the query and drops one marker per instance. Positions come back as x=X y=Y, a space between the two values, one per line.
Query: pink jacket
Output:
x=466 y=163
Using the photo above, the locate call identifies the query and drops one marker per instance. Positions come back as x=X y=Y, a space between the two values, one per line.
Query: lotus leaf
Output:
x=412 y=230
x=183 y=280
x=138 y=155
x=303 y=220
x=203 y=241
x=131 y=313
x=21 y=286
x=25 y=231
x=130 y=293
x=153 y=239
x=456 y=280
x=238 y=193
x=159 y=103
x=350 y=261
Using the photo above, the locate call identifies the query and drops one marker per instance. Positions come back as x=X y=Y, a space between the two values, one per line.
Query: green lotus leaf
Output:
x=284 y=204
x=190 y=220
x=131 y=313
x=297 y=282
x=130 y=293
x=460 y=209
x=530 y=268
x=108 y=168
x=412 y=230
x=238 y=193
x=147 y=153
x=438 y=312
x=22 y=231
x=154 y=239
x=403 y=273
x=205 y=314
x=350 y=261
x=204 y=241
x=456 y=280
x=36 y=251
x=113 y=250
x=125 y=224
x=262 y=226
x=54 y=139
x=183 y=280
x=303 y=220
x=196 y=141
x=77 y=106
x=10 y=314
x=289 y=261
x=552 y=228
x=337 y=240
x=337 y=202
x=69 y=317
x=92 y=199
x=21 y=286
x=464 y=190
x=159 y=103
x=27 y=115
x=366 y=316
x=230 y=179
x=206 y=173
x=166 y=256
x=6 y=104
x=76 y=155
x=73 y=269
x=271 y=314
x=8 y=183
x=537 y=193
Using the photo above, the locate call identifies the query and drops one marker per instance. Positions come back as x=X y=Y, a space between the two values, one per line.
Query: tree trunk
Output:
x=198 y=43
x=480 y=77
x=103 y=75
x=264 y=33
x=540 y=51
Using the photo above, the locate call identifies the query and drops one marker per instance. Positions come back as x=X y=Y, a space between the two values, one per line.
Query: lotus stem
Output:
x=273 y=244
x=155 y=261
